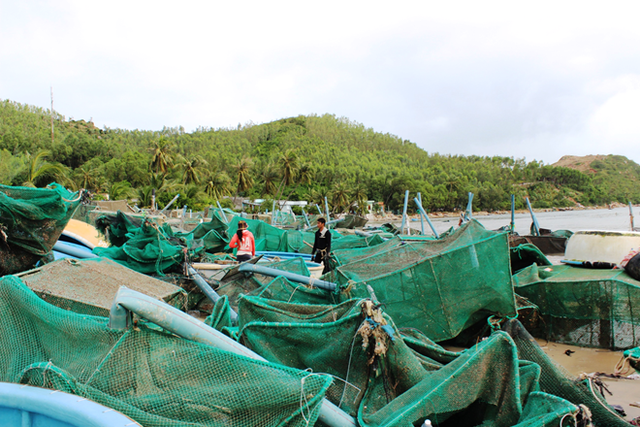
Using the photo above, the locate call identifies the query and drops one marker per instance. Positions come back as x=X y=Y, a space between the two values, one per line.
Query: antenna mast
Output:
x=51 y=115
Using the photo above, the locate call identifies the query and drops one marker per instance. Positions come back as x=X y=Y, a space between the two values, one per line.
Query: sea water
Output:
x=616 y=219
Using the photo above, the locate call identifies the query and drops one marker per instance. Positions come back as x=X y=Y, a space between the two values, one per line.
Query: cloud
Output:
x=500 y=78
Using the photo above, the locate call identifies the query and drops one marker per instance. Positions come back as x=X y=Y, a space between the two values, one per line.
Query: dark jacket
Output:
x=322 y=242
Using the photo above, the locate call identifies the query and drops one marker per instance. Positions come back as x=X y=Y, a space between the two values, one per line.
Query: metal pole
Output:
x=421 y=219
x=404 y=211
x=421 y=209
x=512 y=226
x=536 y=227
x=631 y=216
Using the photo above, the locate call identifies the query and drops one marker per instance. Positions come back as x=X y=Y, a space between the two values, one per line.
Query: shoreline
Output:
x=456 y=214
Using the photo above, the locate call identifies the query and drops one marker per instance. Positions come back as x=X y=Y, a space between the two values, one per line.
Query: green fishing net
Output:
x=151 y=376
x=31 y=221
x=582 y=306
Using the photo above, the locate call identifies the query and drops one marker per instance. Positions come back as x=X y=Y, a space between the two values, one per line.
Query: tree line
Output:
x=298 y=158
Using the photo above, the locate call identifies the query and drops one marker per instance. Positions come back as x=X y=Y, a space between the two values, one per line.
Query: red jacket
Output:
x=247 y=246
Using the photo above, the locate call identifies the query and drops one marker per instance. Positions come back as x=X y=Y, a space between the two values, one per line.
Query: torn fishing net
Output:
x=152 y=376
x=440 y=287
x=581 y=306
x=386 y=377
x=31 y=221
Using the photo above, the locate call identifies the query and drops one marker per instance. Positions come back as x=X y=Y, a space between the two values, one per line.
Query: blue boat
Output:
x=26 y=406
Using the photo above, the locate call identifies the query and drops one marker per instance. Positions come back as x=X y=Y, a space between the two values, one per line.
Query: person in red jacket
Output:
x=244 y=241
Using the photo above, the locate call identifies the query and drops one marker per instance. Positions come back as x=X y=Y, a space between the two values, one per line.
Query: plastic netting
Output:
x=554 y=379
x=151 y=249
x=440 y=287
x=581 y=306
x=89 y=286
x=31 y=220
x=385 y=378
x=153 y=377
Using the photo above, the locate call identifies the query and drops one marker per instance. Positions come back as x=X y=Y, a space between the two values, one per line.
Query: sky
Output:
x=535 y=80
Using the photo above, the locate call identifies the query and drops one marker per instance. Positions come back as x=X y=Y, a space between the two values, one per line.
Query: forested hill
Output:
x=299 y=158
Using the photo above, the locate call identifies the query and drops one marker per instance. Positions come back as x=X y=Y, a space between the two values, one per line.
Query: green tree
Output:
x=40 y=170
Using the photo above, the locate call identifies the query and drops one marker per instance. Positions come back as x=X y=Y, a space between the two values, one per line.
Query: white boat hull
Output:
x=603 y=246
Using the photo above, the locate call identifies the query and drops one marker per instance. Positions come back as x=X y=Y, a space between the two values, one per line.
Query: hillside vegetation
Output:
x=299 y=158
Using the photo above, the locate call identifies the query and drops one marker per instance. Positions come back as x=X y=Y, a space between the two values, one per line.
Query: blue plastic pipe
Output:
x=536 y=227
x=421 y=219
x=298 y=278
x=513 y=213
x=128 y=301
x=209 y=292
x=78 y=251
x=423 y=213
x=468 y=213
x=326 y=208
x=319 y=210
x=224 y=217
x=306 y=218
x=404 y=211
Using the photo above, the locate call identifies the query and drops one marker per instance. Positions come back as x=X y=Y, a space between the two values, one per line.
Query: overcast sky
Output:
x=479 y=77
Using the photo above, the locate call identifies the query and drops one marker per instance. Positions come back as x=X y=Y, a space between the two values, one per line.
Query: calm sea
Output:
x=591 y=219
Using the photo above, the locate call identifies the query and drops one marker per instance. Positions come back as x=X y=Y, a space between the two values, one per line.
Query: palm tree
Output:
x=87 y=178
x=289 y=167
x=359 y=197
x=243 y=169
x=121 y=190
x=269 y=177
x=39 y=168
x=340 y=197
x=191 y=169
x=162 y=159
x=218 y=185
x=306 y=174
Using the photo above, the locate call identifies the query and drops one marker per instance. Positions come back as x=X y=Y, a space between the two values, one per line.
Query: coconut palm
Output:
x=121 y=190
x=288 y=162
x=306 y=174
x=87 y=178
x=39 y=168
x=340 y=197
x=243 y=170
x=191 y=169
x=162 y=159
x=269 y=177
x=218 y=185
x=289 y=166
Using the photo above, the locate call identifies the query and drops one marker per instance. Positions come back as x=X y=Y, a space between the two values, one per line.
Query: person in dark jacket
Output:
x=322 y=243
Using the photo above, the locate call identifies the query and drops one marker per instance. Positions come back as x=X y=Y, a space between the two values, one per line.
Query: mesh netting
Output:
x=387 y=379
x=556 y=380
x=89 y=286
x=31 y=220
x=439 y=286
x=585 y=307
x=153 y=377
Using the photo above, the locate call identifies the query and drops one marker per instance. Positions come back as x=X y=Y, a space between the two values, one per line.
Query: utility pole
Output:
x=51 y=115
